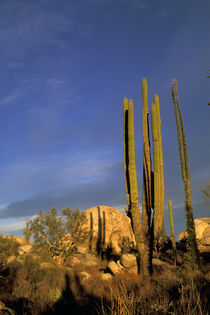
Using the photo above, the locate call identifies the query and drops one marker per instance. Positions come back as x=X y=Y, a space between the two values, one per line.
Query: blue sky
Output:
x=65 y=67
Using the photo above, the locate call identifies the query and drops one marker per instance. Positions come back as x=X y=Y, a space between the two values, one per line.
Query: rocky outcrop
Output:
x=20 y=240
x=107 y=229
x=202 y=230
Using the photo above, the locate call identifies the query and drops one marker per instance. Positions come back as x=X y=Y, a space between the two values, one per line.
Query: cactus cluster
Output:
x=153 y=182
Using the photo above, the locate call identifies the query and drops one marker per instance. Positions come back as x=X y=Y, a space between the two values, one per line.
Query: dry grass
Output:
x=169 y=291
x=29 y=289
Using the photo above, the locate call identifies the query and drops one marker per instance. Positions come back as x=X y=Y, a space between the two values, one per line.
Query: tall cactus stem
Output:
x=147 y=180
x=147 y=185
x=156 y=158
x=161 y=165
x=131 y=184
x=192 y=256
x=126 y=157
x=134 y=199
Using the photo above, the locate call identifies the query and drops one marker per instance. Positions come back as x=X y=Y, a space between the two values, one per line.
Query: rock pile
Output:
x=202 y=230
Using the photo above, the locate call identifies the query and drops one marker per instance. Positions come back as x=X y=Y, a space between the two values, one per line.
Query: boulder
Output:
x=24 y=249
x=128 y=261
x=202 y=230
x=106 y=276
x=84 y=259
x=107 y=229
x=114 y=267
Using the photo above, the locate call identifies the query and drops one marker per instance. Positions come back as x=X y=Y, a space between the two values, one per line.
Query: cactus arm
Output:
x=161 y=165
x=126 y=158
x=147 y=193
x=132 y=162
x=157 y=215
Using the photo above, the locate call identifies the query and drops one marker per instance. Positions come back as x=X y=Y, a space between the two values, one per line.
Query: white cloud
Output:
x=16 y=225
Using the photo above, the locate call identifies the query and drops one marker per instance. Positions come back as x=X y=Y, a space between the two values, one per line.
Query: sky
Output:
x=65 y=67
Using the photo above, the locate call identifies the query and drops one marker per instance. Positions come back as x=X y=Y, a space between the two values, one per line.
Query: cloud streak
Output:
x=10 y=98
x=59 y=180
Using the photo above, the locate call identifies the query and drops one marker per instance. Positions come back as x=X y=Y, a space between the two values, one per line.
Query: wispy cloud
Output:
x=59 y=172
x=17 y=225
x=10 y=98
x=34 y=28
x=54 y=83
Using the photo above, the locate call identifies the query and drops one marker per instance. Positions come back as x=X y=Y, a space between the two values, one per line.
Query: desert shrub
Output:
x=49 y=227
x=61 y=234
x=8 y=248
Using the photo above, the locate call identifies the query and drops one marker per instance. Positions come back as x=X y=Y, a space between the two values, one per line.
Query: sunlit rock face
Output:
x=20 y=240
x=107 y=229
x=202 y=230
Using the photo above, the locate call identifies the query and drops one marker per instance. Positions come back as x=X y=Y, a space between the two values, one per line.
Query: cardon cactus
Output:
x=131 y=184
x=153 y=184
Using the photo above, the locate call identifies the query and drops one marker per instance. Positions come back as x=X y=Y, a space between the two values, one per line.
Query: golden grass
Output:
x=29 y=289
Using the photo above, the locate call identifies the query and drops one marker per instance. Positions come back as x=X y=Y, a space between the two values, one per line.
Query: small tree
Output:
x=60 y=233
